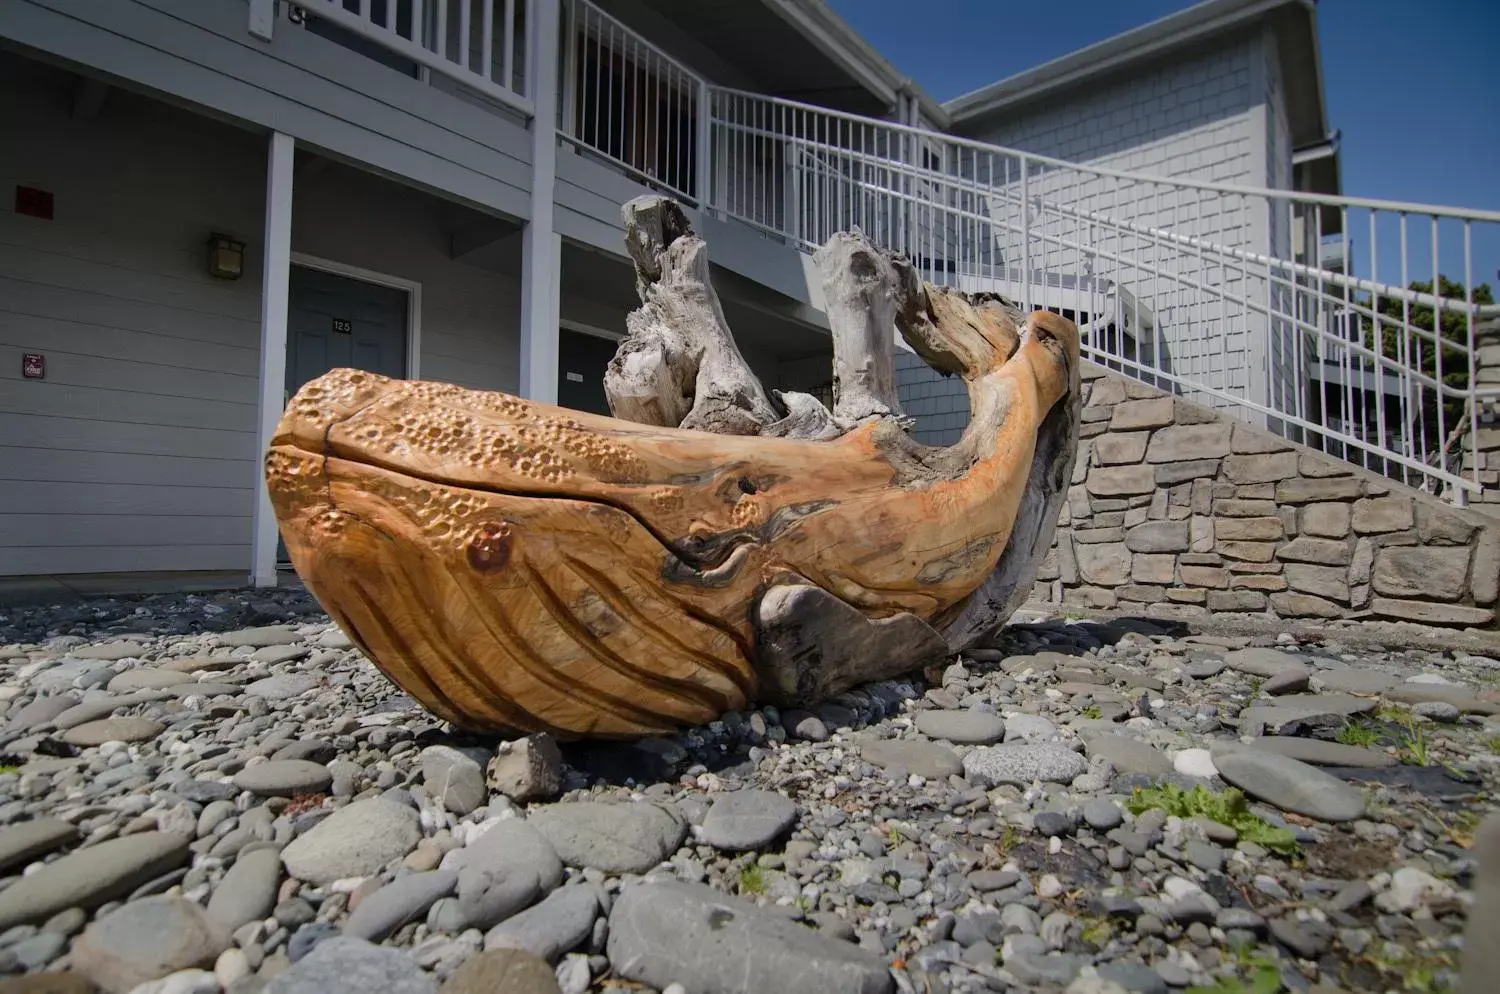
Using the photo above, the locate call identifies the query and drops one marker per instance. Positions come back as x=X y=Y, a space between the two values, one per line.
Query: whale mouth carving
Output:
x=520 y=567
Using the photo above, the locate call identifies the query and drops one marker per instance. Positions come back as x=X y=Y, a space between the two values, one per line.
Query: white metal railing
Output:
x=625 y=99
x=1217 y=292
x=482 y=44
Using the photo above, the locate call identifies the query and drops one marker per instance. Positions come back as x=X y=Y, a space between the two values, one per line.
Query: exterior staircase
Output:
x=1251 y=301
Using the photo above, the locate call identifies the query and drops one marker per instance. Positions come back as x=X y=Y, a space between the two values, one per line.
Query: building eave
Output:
x=838 y=40
x=1112 y=55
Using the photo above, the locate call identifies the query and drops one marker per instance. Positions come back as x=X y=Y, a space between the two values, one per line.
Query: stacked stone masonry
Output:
x=1176 y=511
x=1487 y=449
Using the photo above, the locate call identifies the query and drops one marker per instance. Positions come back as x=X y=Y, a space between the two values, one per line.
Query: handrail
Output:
x=632 y=103
x=1215 y=290
x=427 y=43
x=1301 y=269
x=1328 y=200
x=1199 y=284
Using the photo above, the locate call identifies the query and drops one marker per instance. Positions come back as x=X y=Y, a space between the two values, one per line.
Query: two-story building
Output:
x=217 y=200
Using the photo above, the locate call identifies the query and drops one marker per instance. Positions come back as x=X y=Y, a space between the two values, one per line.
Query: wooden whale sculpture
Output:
x=522 y=567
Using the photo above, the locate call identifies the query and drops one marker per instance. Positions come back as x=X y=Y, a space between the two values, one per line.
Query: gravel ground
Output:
x=217 y=792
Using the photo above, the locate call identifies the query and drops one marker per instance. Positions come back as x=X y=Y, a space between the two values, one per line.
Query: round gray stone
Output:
x=508 y=846
x=1203 y=669
x=194 y=664
x=284 y=778
x=403 y=900
x=710 y=943
x=557 y=925
x=1029 y=728
x=274 y=654
x=1437 y=711
x=108 y=651
x=282 y=686
x=748 y=819
x=248 y=891
x=991 y=766
x=1460 y=697
x=355 y=841
x=1289 y=784
x=1127 y=755
x=1289 y=681
x=92 y=875
x=93 y=733
x=1204 y=855
x=925 y=759
x=40 y=711
x=453 y=778
x=488 y=895
x=25 y=841
x=308 y=937
x=37 y=951
x=145 y=940
x=264 y=635
x=1103 y=814
x=312 y=750
x=143 y=678
x=1353 y=681
x=615 y=838
x=1261 y=662
x=967 y=727
x=346 y=965
x=1134 y=977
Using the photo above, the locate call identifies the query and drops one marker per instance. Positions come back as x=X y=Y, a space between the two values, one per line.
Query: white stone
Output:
x=232 y=965
x=1411 y=889
x=1178 y=888
x=1195 y=763
x=181 y=982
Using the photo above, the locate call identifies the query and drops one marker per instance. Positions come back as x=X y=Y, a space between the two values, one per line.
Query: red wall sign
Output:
x=33 y=365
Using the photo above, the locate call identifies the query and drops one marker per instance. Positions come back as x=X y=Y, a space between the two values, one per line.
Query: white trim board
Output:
x=413 y=292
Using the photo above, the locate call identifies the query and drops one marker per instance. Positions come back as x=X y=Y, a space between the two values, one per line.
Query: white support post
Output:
x=276 y=265
x=703 y=158
x=541 y=248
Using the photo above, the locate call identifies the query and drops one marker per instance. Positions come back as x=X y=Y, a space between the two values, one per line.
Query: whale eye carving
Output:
x=489 y=549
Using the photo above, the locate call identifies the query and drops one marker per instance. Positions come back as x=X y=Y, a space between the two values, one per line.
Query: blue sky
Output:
x=1411 y=84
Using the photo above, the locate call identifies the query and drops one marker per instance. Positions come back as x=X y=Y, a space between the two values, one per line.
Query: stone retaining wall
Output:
x=1177 y=511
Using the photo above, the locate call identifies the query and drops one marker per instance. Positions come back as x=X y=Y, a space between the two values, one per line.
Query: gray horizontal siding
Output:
x=588 y=195
x=108 y=468
x=137 y=451
x=121 y=558
x=119 y=404
x=304 y=85
x=68 y=530
x=34 y=497
x=98 y=431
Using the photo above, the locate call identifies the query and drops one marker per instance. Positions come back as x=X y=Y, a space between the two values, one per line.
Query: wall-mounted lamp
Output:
x=226 y=257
